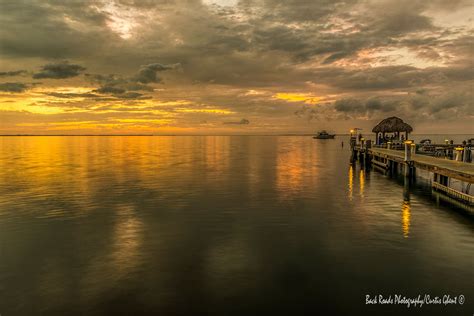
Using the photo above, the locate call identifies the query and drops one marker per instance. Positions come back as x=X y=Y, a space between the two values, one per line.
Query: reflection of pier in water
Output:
x=412 y=190
x=407 y=162
x=357 y=178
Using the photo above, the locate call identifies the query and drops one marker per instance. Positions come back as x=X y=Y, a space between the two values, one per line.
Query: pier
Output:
x=402 y=155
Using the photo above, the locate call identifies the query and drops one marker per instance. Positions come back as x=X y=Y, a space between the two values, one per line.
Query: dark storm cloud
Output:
x=105 y=79
x=148 y=73
x=296 y=10
x=60 y=70
x=72 y=95
x=457 y=103
x=451 y=104
x=12 y=73
x=110 y=89
x=241 y=122
x=126 y=87
x=402 y=21
x=352 y=105
x=135 y=86
x=269 y=34
x=365 y=25
x=52 y=29
x=306 y=112
x=132 y=95
x=120 y=93
x=16 y=87
x=391 y=77
x=353 y=48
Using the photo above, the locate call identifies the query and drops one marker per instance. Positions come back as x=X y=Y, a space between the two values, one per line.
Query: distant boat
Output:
x=324 y=135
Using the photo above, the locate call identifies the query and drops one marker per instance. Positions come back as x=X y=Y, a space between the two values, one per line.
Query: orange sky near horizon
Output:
x=234 y=67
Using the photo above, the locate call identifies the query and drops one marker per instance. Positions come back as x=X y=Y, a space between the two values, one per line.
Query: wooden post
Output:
x=406 y=169
x=407 y=151
x=466 y=156
x=406 y=190
x=459 y=152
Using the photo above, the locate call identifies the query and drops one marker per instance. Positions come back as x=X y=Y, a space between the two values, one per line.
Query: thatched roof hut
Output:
x=393 y=125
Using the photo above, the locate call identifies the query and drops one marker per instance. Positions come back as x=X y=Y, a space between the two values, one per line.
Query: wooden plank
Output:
x=446 y=198
x=380 y=164
x=454 y=193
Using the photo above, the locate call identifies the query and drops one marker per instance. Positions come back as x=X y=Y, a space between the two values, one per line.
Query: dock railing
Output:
x=459 y=152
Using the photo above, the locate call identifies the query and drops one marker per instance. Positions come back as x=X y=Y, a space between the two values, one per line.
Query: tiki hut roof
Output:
x=392 y=124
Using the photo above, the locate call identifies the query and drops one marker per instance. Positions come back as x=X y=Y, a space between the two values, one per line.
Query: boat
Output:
x=324 y=135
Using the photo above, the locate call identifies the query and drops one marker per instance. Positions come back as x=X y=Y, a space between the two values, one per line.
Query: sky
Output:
x=234 y=66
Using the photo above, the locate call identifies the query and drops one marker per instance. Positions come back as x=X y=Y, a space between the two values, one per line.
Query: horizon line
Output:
x=169 y=135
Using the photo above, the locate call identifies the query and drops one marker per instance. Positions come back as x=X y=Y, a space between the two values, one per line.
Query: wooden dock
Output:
x=443 y=169
x=449 y=168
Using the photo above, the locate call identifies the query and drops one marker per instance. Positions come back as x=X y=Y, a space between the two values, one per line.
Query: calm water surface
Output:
x=218 y=226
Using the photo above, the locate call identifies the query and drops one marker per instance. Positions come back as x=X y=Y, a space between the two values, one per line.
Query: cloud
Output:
x=72 y=95
x=368 y=55
x=16 y=87
x=126 y=87
x=60 y=70
x=110 y=89
x=132 y=95
x=121 y=93
x=451 y=104
x=79 y=27
x=365 y=107
x=420 y=105
x=148 y=73
x=135 y=86
x=349 y=105
x=241 y=122
x=12 y=73
x=307 y=113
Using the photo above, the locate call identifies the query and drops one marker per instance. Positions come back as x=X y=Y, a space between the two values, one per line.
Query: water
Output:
x=218 y=226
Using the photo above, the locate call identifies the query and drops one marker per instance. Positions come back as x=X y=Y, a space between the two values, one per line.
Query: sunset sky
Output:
x=234 y=66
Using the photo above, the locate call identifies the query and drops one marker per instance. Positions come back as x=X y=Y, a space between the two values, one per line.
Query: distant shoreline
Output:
x=175 y=135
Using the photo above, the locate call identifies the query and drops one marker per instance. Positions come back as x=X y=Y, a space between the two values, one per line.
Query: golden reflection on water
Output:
x=406 y=218
x=361 y=182
x=293 y=170
x=217 y=153
x=123 y=256
x=127 y=241
x=351 y=181
x=289 y=174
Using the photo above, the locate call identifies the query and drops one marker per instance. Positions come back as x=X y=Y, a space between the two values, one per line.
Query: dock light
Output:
x=459 y=148
x=362 y=139
x=413 y=145
x=352 y=131
x=446 y=141
x=408 y=142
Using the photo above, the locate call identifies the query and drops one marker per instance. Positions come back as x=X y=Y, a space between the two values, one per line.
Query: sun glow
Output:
x=211 y=111
x=307 y=98
x=121 y=21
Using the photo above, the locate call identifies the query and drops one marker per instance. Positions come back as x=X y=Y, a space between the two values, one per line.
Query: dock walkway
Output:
x=449 y=168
